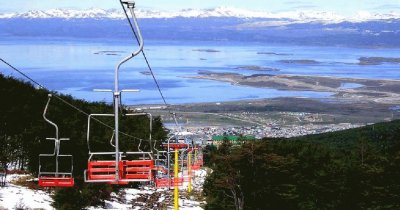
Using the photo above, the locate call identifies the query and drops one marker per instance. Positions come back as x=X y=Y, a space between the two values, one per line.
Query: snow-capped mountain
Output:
x=303 y=16
x=117 y=14
x=66 y=13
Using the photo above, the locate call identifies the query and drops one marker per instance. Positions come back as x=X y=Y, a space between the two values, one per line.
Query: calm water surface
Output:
x=76 y=67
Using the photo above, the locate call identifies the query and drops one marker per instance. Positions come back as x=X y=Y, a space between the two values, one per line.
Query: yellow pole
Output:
x=176 y=190
x=190 y=172
x=195 y=155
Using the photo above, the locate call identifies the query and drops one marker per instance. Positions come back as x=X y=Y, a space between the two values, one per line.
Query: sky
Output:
x=343 y=7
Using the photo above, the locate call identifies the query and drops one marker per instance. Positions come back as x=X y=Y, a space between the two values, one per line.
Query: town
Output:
x=258 y=125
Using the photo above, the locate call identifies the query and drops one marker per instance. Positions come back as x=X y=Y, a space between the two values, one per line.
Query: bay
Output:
x=77 y=66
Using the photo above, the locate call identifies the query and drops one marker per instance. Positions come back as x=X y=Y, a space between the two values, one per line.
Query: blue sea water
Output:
x=77 y=66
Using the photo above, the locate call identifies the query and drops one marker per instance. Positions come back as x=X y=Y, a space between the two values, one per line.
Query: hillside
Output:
x=352 y=169
x=380 y=136
x=23 y=134
x=21 y=116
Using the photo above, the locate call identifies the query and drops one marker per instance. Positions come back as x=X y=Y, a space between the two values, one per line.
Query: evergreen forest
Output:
x=23 y=133
x=352 y=169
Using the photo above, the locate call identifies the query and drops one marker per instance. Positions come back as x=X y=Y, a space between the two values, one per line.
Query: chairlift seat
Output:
x=137 y=169
x=101 y=170
x=195 y=167
x=52 y=181
x=161 y=182
x=129 y=171
x=164 y=182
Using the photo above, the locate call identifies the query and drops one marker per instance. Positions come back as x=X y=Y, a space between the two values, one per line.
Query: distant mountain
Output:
x=298 y=15
x=219 y=24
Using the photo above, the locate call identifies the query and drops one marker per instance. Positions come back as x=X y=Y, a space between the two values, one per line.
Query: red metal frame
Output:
x=176 y=145
x=196 y=167
x=101 y=170
x=129 y=170
x=198 y=163
x=51 y=181
x=136 y=169
x=163 y=182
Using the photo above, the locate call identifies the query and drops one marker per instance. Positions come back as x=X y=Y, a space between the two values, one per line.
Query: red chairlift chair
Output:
x=166 y=180
x=138 y=169
x=120 y=171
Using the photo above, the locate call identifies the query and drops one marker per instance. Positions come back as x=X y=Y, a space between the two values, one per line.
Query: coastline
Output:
x=383 y=91
x=354 y=103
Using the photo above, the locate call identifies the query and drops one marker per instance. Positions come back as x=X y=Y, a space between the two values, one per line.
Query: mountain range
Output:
x=219 y=24
x=298 y=15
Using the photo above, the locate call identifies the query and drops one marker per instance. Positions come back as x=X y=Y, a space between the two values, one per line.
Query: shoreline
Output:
x=384 y=91
x=363 y=102
x=277 y=117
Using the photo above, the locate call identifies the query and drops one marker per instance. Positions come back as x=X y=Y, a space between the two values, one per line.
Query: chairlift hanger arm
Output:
x=132 y=2
x=47 y=120
x=55 y=178
x=116 y=95
x=130 y=5
x=112 y=138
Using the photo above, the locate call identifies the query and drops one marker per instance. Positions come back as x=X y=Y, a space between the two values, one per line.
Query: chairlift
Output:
x=198 y=159
x=185 y=162
x=161 y=168
x=123 y=168
x=133 y=166
x=173 y=143
x=160 y=161
x=55 y=178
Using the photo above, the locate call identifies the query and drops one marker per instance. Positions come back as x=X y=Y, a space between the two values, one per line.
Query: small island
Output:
x=273 y=53
x=377 y=60
x=108 y=52
x=256 y=68
x=145 y=72
x=303 y=61
x=207 y=50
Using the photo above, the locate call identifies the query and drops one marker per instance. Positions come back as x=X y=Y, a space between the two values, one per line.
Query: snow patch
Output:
x=12 y=196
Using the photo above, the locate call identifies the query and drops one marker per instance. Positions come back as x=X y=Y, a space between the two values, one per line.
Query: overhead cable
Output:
x=63 y=100
x=150 y=68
